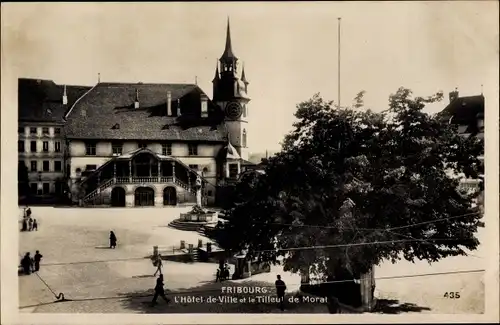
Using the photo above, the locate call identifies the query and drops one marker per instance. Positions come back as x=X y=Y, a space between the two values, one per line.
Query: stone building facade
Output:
x=41 y=144
x=141 y=144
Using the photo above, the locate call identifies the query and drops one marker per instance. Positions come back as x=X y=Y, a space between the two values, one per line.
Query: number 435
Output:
x=452 y=295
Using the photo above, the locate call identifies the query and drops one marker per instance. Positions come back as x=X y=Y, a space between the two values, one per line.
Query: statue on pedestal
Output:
x=198 y=191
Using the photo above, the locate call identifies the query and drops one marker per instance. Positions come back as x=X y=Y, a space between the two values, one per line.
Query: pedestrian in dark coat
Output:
x=37 y=259
x=280 y=291
x=159 y=291
x=112 y=240
x=25 y=225
x=28 y=212
x=30 y=224
x=26 y=263
x=35 y=225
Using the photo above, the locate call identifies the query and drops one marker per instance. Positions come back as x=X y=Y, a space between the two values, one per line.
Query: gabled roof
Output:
x=41 y=100
x=464 y=110
x=108 y=112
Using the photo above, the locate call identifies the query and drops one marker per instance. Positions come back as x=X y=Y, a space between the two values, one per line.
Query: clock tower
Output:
x=230 y=94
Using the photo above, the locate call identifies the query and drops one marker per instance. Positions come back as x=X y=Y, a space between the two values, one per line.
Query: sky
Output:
x=289 y=50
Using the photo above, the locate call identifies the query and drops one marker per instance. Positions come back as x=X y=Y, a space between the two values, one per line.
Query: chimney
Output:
x=454 y=95
x=65 y=97
x=204 y=105
x=178 y=107
x=169 y=103
x=136 y=102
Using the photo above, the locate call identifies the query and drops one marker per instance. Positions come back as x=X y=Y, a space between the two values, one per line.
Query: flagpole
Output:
x=338 y=63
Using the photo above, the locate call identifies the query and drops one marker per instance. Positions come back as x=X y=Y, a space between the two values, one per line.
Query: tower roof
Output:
x=243 y=78
x=228 y=51
x=216 y=77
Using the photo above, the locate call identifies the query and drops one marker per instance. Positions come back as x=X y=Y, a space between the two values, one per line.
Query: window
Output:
x=32 y=130
x=20 y=129
x=166 y=149
x=117 y=148
x=46 y=165
x=34 y=166
x=57 y=166
x=57 y=131
x=45 y=131
x=233 y=170
x=33 y=146
x=20 y=146
x=90 y=149
x=244 y=110
x=46 y=146
x=46 y=188
x=209 y=193
x=195 y=167
x=57 y=146
x=142 y=145
x=91 y=167
x=204 y=108
x=244 y=138
x=193 y=149
x=33 y=187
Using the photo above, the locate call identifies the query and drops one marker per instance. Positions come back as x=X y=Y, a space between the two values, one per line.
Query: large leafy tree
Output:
x=348 y=177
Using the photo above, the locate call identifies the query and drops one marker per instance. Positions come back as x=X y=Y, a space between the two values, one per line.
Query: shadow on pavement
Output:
x=393 y=306
x=140 y=301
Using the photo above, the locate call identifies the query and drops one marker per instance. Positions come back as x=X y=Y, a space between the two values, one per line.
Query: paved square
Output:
x=73 y=236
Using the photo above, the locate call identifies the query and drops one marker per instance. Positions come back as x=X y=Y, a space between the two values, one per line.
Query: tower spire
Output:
x=228 y=50
x=216 y=77
x=243 y=77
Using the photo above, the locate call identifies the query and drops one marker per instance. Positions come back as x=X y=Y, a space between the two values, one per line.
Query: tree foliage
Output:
x=345 y=178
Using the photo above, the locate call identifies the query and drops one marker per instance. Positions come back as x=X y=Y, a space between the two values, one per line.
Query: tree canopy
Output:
x=348 y=177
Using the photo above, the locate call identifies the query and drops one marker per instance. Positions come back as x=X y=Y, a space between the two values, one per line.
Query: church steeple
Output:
x=228 y=60
x=228 y=54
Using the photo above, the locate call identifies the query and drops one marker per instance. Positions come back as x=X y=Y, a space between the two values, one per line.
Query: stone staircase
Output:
x=186 y=225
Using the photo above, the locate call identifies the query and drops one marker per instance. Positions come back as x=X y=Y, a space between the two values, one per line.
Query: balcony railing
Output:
x=138 y=180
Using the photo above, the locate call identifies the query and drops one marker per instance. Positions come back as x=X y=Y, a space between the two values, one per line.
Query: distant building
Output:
x=41 y=143
x=468 y=114
x=141 y=144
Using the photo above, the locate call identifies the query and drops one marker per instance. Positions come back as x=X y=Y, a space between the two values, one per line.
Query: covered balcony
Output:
x=141 y=167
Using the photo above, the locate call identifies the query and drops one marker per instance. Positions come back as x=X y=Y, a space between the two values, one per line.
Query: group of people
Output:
x=31 y=264
x=222 y=271
x=29 y=223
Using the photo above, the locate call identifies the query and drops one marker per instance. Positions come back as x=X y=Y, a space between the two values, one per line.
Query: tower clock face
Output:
x=233 y=110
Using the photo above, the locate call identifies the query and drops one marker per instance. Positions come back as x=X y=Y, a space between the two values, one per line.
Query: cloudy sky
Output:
x=289 y=49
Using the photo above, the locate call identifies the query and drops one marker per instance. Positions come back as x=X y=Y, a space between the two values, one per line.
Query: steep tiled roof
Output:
x=108 y=112
x=465 y=110
x=41 y=100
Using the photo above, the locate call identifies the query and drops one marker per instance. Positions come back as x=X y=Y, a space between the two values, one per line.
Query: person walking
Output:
x=25 y=225
x=37 y=259
x=280 y=291
x=112 y=240
x=28 y=212
x=159 y=291
x=26 y=263
x=35 y=225
x=30 y=224
x=158 y=264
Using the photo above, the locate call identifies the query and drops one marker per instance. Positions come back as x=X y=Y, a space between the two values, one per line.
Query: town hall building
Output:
x=142 y=144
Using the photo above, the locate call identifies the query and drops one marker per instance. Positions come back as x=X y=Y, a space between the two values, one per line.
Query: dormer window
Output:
x=116 y=126
x=204 y=107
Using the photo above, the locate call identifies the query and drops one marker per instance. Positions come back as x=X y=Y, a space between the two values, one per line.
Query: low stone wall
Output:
x=205 y=217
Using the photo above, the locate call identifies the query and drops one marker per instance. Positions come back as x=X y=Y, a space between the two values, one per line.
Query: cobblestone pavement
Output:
x=74 y=235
